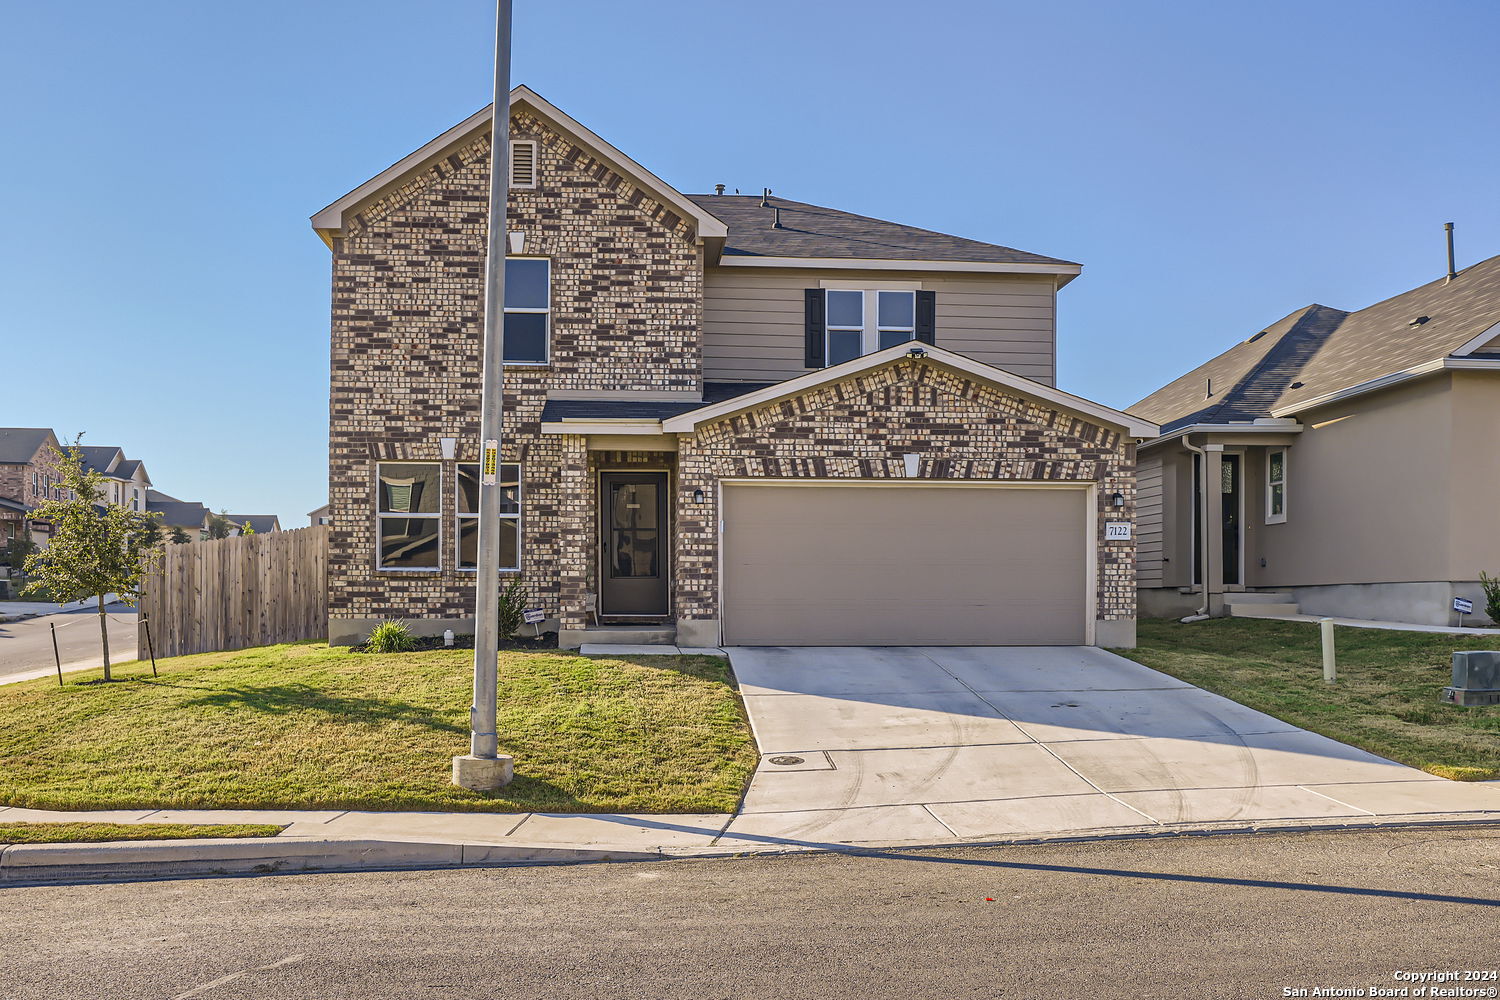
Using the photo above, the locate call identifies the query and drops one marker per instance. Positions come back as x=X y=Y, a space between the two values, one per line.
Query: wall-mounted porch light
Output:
x=698 y=496
x=1117 y=500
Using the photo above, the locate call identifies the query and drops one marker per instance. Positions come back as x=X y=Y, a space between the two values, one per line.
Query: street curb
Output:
x=271 y=855
x=155 y=859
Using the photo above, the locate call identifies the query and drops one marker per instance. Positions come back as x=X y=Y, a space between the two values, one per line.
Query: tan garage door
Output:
x=904 y=565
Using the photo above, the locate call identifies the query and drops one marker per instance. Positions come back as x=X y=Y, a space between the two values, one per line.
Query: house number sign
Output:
x=1116 y=531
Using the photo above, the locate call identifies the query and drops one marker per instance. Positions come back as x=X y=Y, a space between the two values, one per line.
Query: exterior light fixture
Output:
x=1117 y=500
x=698 y=496
x=916 y=352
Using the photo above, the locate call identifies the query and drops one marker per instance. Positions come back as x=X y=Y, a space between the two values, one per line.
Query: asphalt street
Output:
x=26 y=646
x=1230 y=917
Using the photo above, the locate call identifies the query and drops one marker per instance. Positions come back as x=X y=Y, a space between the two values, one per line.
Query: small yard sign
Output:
x=1116 y=531
x=1463 y=605
x=533 y=616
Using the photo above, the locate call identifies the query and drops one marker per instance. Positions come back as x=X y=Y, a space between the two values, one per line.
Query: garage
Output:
x=896 y=565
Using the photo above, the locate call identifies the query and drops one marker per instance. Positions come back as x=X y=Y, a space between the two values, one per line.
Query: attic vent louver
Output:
x=522 y=163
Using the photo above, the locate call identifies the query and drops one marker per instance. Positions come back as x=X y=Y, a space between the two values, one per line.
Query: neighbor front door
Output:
x=633 y=544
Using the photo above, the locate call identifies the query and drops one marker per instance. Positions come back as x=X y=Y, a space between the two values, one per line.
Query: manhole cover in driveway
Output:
x=815 y=760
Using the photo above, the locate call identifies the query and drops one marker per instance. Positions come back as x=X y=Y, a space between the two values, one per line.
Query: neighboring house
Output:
x=191 y=517
x=1350 y=459
x=126 y=482
x=27 y=478
x=319 y=516
x=727 y=421
x=261 y=524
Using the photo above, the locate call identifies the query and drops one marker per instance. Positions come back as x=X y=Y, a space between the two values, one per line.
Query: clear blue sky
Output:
x=1213 y=166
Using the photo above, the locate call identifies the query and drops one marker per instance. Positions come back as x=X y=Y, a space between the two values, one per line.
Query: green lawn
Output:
x=1385 y=701
x=95 y=833
x=308 y=726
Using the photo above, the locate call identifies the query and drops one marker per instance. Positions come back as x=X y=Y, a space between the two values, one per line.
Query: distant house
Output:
x=320 y=516
x=261 y=524
x=126 y=481
x=191 y=517
x=1340 y=463
x=27 y=477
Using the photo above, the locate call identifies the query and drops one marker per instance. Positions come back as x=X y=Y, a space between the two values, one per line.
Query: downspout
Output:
x=1202 y=526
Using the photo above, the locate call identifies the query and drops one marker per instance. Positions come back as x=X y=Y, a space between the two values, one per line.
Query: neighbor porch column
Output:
x=1211 y=523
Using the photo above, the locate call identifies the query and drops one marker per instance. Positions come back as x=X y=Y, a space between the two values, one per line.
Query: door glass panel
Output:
x=634 y=530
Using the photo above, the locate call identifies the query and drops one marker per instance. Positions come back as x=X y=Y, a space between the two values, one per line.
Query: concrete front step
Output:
x=630 y=635
x=1261 y=610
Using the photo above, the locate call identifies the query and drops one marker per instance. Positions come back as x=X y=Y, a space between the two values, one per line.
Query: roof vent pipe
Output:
x=718 y=189
x=777 y=223
x=765 y=199
x=1448 y=226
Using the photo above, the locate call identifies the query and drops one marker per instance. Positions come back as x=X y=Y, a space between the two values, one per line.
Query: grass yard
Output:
x=309 y=726
x=98 y=833
x=1385 y=701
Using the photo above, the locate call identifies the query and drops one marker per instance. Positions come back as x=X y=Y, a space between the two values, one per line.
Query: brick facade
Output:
x=627 y=280
x=862 y=426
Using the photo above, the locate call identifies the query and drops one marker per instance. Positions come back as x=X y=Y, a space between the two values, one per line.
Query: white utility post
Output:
x=1330 y=667
x=484 y=769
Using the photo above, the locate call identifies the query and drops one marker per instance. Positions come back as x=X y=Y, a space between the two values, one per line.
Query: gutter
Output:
x=1261 y=425
x=1394 y=378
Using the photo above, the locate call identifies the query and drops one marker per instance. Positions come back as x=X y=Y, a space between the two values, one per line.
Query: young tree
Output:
x=247 y=529
x=97 y=548
x=218 y=525
x=178 y=536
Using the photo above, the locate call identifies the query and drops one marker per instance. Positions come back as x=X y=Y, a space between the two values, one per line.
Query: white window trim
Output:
x=534 y=166
x=547 y=333
x=438 y=516
x=458 y=520
x=869 y=333
x=1285 y=478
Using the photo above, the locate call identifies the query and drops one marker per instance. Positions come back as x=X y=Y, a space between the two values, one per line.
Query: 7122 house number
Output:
x=1117 y=531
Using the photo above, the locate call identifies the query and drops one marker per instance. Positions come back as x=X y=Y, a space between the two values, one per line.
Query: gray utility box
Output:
x=1476 y=678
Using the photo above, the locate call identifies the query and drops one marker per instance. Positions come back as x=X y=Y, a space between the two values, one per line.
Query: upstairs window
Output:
x=528 y=310
x=847 y=323
x=409 y=509
x=1276 y=486
x=468 y=516
x=523 y=163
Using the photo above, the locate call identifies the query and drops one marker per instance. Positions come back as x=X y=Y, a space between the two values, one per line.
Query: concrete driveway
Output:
x=922 y=744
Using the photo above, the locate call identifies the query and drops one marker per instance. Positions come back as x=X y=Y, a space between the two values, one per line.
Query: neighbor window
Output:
x=468 y=516
x=410 y=510
x=528 y=308
x=1276 y=486
x=862 y=322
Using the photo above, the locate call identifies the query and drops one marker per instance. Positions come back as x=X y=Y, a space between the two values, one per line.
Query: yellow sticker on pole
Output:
x=490 y=465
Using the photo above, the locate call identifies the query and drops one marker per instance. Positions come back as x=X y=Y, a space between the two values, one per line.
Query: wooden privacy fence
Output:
x=232 y=593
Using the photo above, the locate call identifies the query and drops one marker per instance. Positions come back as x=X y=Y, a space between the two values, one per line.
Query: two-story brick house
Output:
x=28 y=477
x=729 y=420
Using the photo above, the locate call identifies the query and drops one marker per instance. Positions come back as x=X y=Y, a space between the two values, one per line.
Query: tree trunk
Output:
x=104 y=637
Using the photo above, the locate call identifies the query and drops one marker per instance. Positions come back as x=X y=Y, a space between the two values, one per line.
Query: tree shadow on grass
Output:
x=284 y=699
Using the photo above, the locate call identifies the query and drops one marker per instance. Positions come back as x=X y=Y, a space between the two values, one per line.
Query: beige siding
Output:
x=1475 y=476
x=1148 y=521
x=1369 y=485
x=753 y=319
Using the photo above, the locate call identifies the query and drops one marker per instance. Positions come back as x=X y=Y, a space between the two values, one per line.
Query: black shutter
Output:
x=927 y=317
x=815 y=327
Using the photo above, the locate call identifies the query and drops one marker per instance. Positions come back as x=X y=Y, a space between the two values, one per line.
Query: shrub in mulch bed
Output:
x=422 y=643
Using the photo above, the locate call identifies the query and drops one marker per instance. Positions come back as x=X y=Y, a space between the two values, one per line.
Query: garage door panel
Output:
x=904 y=565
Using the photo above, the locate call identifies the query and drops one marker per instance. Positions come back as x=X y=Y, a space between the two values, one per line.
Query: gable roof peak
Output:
x=328 y=222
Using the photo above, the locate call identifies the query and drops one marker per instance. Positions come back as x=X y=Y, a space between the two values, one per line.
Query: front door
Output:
x=633 y=544
x=1229 y=493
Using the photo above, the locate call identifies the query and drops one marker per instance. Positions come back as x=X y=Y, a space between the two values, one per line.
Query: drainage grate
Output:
x=787 y=761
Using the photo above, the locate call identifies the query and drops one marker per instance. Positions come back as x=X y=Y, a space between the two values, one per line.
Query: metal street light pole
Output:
x=483 y=768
